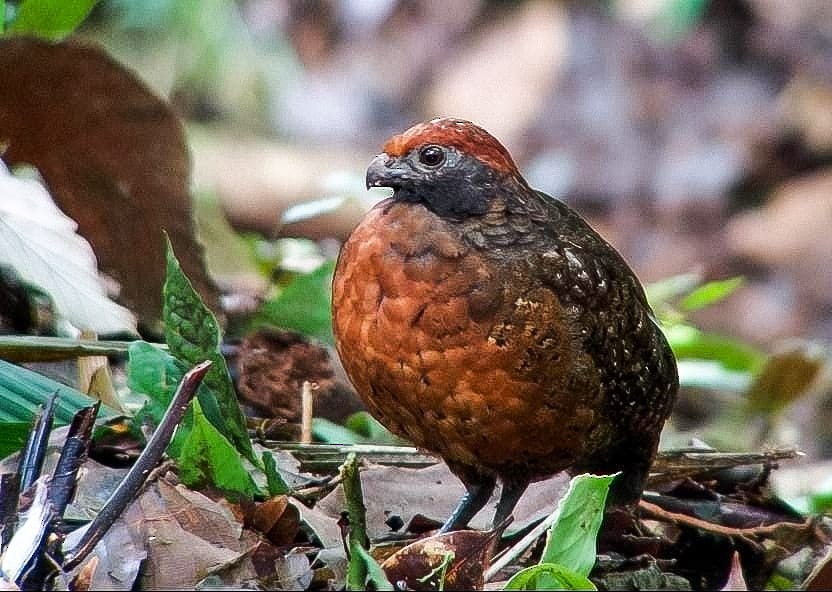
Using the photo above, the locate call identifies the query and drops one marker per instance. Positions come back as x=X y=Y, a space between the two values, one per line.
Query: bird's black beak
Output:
x=386 y=171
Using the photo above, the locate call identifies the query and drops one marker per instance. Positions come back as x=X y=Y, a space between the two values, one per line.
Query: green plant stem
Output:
x=357 y=536
x=25 y=348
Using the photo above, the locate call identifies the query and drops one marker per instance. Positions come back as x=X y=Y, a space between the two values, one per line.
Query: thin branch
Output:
x=657 y=513
x=677 y=464
x=307 y=404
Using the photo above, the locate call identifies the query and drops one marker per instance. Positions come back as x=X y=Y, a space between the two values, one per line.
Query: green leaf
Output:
x=361 y=564
x=820 y=502
x=22 y=390
x=548 y=576
x=690 y=343
x=664 y=290
x=330 y=432
x=193 y=335
x=359 y=428
x=13 y=435
x=156 y=374
x=363 y=568
x=209 y=458
x=53 y=19
x=274 y=482
x=710 y=293
x=570 y=540
x=30 y=348
x=371 y=430
x=303 y=305
x=226 y=253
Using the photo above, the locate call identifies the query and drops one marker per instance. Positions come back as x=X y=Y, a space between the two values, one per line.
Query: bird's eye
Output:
x=431 y=156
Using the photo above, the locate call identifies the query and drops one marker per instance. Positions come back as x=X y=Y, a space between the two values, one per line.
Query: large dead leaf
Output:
x=433 y=492
x=40 y=243
x=118 y=557
x=113 y=156
x=181 y=535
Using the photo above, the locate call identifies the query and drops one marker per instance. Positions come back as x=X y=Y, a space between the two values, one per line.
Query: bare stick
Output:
x=307 y=406
x=657 y=513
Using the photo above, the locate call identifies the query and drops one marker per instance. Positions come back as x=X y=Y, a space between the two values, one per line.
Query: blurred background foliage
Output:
x=696 y=135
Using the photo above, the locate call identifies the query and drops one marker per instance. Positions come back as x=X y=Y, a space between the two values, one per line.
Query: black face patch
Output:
x=462 y=187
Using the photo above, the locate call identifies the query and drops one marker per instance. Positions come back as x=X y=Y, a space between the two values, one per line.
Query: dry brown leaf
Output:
x=119 y=555
x=263 y=567
x=324 y=527
x=82 y=581
x=459 y=558
x=201 y=516
x=276 y=518
x=187 y=534
x=113 y=156
x=433 y=492
x=787 y=376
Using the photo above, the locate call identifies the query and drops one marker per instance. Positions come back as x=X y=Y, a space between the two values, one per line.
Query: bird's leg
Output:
x=478 y=491
x=512 y=490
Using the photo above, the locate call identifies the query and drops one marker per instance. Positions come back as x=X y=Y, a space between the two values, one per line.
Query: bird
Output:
x=488 y=323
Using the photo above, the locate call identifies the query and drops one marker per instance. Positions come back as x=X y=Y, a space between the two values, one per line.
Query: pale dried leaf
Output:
x=42 y=245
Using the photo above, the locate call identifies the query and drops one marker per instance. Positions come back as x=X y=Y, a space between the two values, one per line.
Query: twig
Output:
x=307 y=404
x=315 y=492
x=328 y=457
x=345 y=449
x=658 y=513
x=676 y=464
x=132 y=482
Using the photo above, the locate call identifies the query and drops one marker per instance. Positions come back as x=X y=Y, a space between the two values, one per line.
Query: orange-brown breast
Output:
x=460 y=355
